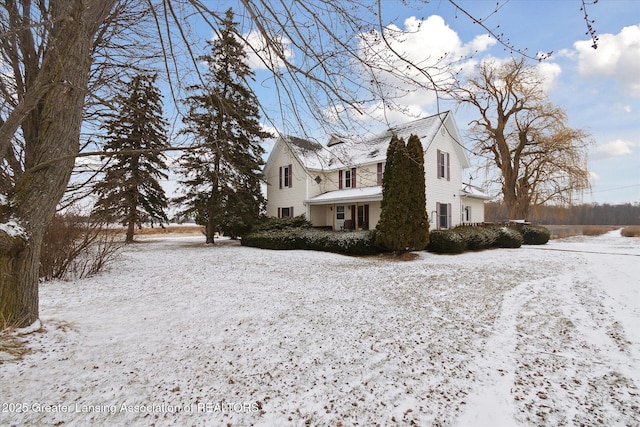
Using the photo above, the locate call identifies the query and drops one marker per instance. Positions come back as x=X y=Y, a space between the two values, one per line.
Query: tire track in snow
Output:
x=491 y=404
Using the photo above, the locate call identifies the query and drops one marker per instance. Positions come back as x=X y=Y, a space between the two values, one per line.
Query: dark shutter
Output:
x=366 y=216
x=290 y=176
x=291 y=212
x=280 y=181
x=379 y=177
x=448 y=173
x=339 y=180
x=449 y=225
x=353 y=177
x=279 y=213
x=437 y=215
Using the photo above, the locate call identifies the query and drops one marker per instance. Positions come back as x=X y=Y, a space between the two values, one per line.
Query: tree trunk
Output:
x=53 y=133
x=19 y=285
x=210 y=229
x=130 y=231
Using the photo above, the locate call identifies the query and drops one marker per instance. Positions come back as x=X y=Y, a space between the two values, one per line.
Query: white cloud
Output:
x=615 y=148
x=549 y=72
x=260 y=52
x=429 y=44
x=617 y=56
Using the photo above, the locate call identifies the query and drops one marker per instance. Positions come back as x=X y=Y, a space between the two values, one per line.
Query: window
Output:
x=339 y=212
x=285 y=212
x=443 y=215
x=347 y=178
x=443 y=165
x=286 y=176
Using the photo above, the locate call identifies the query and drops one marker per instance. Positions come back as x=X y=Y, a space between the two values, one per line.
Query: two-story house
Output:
x=339 y=185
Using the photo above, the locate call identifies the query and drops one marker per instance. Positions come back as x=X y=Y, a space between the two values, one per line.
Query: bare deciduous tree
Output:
x=524 y=136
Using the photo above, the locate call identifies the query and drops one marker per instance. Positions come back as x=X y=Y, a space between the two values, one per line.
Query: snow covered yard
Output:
x=178 y=333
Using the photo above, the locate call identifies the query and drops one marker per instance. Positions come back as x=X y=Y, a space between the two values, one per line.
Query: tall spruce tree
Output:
x=418 y=221
x=130 y=191
x=223 y=175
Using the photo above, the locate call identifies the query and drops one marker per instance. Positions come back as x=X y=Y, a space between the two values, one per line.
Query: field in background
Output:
x=561 y=231
x=190 y=229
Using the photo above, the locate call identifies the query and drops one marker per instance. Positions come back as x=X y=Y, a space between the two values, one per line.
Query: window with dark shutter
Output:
x=286 y=176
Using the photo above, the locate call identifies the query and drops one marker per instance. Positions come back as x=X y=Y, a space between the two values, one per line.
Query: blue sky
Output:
x=599 y=89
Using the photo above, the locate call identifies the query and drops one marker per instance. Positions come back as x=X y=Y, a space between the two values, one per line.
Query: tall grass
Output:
x=631 y=231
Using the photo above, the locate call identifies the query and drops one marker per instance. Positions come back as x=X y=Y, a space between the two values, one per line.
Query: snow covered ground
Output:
x=179 y=333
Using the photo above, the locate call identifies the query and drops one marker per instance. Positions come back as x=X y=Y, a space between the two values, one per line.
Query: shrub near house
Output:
x=297 y=233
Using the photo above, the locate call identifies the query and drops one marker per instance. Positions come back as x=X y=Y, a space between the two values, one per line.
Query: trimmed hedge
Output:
x=508 y=238
x=478 y=238
x=446 y=242
x=272 y=223
x=349 y=243
x=474 y=238
x=535 y=235
x=296 y=233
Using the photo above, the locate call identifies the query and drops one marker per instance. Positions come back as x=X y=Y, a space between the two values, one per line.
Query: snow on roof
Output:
x=471 y=191
x=343 y=152
x=363 y=194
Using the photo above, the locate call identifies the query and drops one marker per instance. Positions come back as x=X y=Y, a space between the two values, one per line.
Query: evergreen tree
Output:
x=403 y=221
x=222 y=177
x=418 y=221
x=130 y=191
x=391 y=231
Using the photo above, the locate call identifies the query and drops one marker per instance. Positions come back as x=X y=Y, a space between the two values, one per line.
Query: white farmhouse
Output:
x=339 y=186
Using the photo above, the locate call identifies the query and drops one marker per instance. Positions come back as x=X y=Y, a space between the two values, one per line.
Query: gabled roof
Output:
x=341 y=152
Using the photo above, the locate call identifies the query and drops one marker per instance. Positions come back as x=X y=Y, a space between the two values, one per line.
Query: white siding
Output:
x=477 y=209
x=286 y=197
x=441 y=190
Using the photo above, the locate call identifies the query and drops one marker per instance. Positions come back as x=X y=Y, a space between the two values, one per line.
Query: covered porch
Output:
x=350 y=209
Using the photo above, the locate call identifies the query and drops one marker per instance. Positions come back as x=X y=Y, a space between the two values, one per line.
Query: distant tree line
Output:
x=586 y=214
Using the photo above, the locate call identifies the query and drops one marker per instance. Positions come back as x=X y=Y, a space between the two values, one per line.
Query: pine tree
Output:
x=223 y=176
x=130 y=191
x=418 y=221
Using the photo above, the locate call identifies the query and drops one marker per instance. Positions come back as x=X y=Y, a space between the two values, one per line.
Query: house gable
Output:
x=288 y=179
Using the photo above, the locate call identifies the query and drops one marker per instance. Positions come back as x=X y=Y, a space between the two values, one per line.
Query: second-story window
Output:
x=347 y=178
x=443 y=165
x=286 y=176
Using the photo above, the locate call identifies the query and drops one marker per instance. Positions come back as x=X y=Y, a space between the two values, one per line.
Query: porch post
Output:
x=333 y=217
x=355 y=220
